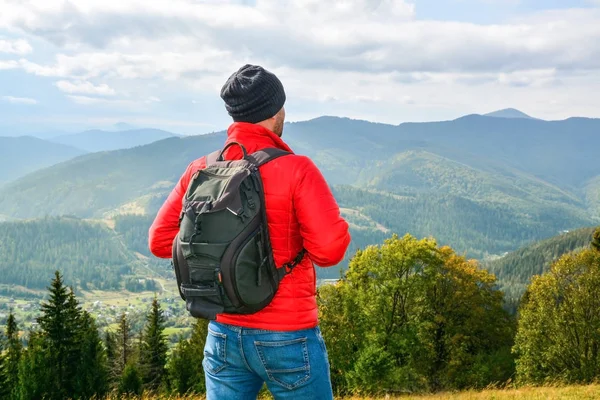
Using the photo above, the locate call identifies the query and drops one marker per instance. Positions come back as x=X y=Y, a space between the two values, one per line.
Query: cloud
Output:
x=10 y=64
x=361 y=35
x=19 y=100
x=370 y=58
x=20 y=46
x=85 y=87
x=118 y=103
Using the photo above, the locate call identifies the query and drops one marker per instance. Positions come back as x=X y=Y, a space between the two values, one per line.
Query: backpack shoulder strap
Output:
x=212 y=158
x=263 y=156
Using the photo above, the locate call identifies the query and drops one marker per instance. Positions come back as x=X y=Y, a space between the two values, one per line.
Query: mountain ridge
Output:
x=100 y=140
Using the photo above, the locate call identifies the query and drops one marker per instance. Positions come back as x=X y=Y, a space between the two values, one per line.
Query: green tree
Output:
x=408 y=315
x=124 y=349
x=596 y=240
x=60 y=325
x=12 y=357
x=153 y=351
x=131 y=382
x=557 y=337
x=34 y=369
x=92 y=373
x=185 y=372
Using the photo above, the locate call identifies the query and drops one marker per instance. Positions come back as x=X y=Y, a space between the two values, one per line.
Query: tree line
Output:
x=407 y=316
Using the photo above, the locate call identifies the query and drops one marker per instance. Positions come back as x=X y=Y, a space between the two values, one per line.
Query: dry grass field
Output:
x=590 y=392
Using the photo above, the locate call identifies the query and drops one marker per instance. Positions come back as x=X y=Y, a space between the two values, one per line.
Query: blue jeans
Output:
x=237 y=361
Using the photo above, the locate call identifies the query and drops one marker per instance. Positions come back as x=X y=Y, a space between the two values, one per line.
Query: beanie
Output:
x=252 y=94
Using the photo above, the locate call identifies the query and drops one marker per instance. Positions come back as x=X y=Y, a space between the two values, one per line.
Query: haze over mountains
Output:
x=25 y=154
x=98 y=140
x=485 y=185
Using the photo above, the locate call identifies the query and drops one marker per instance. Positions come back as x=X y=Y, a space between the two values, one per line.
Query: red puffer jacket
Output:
x=301 y=212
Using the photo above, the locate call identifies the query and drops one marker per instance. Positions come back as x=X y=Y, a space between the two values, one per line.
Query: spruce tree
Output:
x=153 y=351
x=60 y=324
x=186 y=374
x=34 y=370
x=14 y=348
x=5 y=388
x=92 y=376
x=123 y=348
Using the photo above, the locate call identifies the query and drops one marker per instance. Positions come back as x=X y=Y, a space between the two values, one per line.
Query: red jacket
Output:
x=301 y=212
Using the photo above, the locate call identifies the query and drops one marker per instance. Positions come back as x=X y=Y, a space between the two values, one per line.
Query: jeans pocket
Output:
x=286 y=362
x=215 y=354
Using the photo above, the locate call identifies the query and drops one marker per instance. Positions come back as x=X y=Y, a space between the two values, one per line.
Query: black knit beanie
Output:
x=252 y=94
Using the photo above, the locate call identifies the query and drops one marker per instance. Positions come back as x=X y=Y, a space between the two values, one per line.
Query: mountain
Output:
x=100 y=183
x=25 y=154
x=123 y=126
x=514 y=270
x=508 y=113
x=484 y=185
x=98 y=140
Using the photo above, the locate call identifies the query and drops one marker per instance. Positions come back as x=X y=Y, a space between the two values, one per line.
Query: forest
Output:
x=408 y=315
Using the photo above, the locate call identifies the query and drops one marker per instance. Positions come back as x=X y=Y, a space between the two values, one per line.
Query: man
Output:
x=280 y=344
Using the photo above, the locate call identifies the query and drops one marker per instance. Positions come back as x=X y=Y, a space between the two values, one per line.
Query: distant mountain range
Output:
x=25 y=154
x=485 y=185
x=97 y=140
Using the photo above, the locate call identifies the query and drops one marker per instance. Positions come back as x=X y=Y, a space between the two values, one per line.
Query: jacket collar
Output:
x=253 y=137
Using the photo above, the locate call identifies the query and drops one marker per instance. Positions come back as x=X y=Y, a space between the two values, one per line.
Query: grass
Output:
x=589 y=392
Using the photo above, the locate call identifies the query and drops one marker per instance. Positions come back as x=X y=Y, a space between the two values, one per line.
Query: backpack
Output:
x=222 y=254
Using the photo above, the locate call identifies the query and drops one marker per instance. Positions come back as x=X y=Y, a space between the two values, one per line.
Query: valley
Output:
x=484 y=185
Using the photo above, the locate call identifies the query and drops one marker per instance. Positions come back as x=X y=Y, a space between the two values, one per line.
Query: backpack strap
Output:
x=212 y=157
x=263 y=156
x=289 y=266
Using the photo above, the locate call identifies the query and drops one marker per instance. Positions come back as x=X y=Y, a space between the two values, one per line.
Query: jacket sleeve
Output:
x=166 y=224
x=325 y=233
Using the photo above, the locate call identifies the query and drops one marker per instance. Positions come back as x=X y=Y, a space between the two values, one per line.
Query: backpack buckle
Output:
x=289 y=266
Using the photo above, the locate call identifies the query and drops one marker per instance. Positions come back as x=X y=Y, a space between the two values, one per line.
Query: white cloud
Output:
x=19 y=100
x=115 y=103
x=10 y=64
x=360 y=35
x=374 y=54
x=85 y=87
x=20 y=46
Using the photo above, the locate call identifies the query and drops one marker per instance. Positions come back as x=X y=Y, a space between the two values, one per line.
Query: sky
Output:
x=72 y=65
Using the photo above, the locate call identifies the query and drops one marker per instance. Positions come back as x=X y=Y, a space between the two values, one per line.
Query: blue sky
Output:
x=68 y=66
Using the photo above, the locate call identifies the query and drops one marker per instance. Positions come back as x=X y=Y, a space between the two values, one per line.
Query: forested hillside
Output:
x=90 y=255
x=473 y=182
x=515 y=270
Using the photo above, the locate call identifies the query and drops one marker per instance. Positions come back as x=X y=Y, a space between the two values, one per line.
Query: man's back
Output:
x=301 y=213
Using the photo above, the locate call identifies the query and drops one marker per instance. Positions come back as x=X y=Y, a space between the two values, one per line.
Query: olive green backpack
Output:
x=222 y=255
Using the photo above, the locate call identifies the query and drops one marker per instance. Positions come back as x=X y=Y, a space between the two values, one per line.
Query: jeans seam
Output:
x=222 y=354
x=240 y=343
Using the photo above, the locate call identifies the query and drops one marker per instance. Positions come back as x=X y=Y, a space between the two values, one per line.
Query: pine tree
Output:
x=14 y=348
x=34 y=370
x=110 y=346
x=92 y=376
x=5 y=389
x=131 y=382
x=123 y=349
x=60 y=324
x=186 y=374
x=153 y=351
